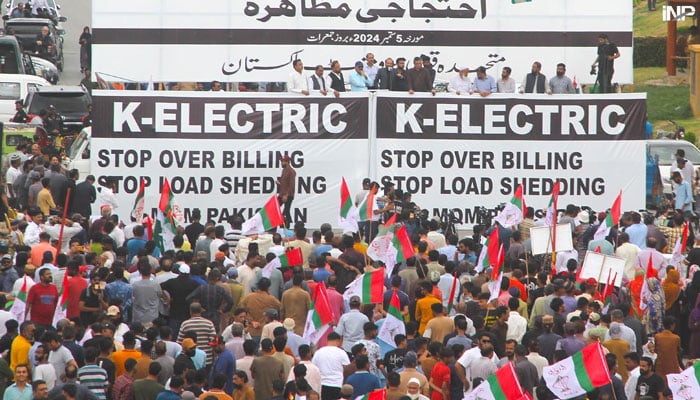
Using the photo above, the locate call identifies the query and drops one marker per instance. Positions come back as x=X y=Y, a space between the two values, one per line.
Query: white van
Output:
x=15 y=87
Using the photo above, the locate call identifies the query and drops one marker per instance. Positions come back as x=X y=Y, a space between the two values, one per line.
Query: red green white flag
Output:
x=393 y=322
x=137 y=210
x=677 y=256
x=645 y=293
x=166 y=219
x=20 y=303
x=489 y=251
x=379 y=394
x=292 y=258
x=610 y=220
x=348 y=215
x=270 y=216
x=514 y=211
x=368 y=286
x=319 y=315
x=369 y=205
x=403 y=244
x=62 y=304
x=579 y=374
x=501 y=385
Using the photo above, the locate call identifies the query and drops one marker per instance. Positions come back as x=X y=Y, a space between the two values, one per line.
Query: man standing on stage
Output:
x=285 y=189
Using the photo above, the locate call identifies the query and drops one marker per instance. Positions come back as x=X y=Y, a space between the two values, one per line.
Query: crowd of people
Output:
x=94 y=309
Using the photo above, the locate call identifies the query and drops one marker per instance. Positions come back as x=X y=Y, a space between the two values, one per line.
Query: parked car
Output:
x=70 y=102
x=45 y=69
x=54 y=9
x=664 y=152
x=15 y=87
x=26 y=30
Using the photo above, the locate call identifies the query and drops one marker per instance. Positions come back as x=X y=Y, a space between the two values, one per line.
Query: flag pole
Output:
x=527 y=273
x=63 y=221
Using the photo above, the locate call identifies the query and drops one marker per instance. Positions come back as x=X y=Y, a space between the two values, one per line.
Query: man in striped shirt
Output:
x=92 y=376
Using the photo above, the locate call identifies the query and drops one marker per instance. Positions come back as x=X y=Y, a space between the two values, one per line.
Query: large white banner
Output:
x=461 y=153
x=221 y=154
x=247 y=41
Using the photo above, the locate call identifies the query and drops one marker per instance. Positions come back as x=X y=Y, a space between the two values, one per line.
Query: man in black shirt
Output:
x=20 y=115
x=649 y=385
x=394 y=359
x=607 y=53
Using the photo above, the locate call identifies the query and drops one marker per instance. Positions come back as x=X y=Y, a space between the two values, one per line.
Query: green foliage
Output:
x=649 y=52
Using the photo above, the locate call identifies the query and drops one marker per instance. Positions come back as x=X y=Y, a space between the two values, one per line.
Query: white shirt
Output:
x=277 y=250
x=68 y=233
x=445 y=286
x=631 y=384
x=330 y=360
x=18 y=285
x=688 y=171
x=31 y=234
x=11 y=175
x=129 y=230
x=6 y=316
x=46 y=373
x=517 y=325
x=105 y=196
x=313 y=376
x=469 y=356
x=437 y=239
x=246 y=276
x=296 y=82
x=118 y=236
x=371 y=72
x=214 y=248
x=629 y=252
x=538 y=361
x=460 y=84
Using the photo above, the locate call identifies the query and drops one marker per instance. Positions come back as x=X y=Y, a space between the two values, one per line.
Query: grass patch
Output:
x=643 y=74
x=666 y=102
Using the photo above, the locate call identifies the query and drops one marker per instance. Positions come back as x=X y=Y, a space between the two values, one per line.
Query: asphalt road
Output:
x=79 y=14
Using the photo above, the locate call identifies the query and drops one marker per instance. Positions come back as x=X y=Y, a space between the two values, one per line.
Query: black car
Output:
x=28 y=30
x=71 y=104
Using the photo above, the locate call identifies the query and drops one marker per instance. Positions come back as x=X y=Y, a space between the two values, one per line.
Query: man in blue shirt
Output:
x=359 y=81
x=21 y=389
x=224 y=363
x=684 y=194
x=484 y=84
x=362 y=381
x=637 y=231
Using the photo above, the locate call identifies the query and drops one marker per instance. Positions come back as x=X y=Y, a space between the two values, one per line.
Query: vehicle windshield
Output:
x=8 y=59
x=77 y=144
x=667 y=154
x=64 y=102
x=25 y=29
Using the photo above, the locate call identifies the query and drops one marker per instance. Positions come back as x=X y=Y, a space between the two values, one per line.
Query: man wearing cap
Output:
x=8 y=275
x=548 y=339
x=618 y=346
x=286 y=185
x=351 y=324
x=184 y=360
x=413 y=390
x=686 y=167
x=12 y=173
x=683 y=194
x=359 y=81
x=224 y=363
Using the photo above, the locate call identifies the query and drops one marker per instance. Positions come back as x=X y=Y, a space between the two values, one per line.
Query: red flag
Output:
x=403 y=244
x=684 y=238
x=453 y=290
x=651 y=271
x=493 y=249
x=499 y=262
x=391 y=221
x=597 y=249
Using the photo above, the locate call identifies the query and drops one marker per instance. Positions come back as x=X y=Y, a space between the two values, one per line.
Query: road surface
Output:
x=79 y=14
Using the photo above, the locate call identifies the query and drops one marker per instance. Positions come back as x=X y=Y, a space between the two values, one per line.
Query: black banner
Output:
x=534 y=117
x=231 y=117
